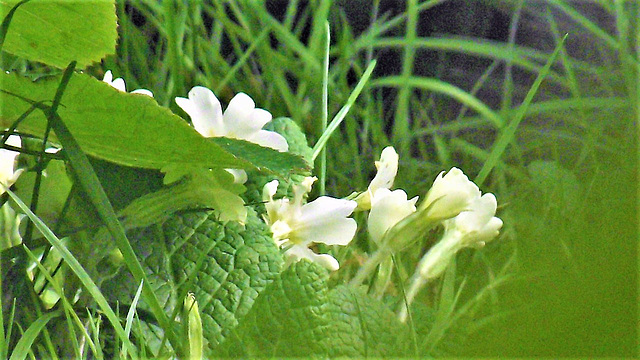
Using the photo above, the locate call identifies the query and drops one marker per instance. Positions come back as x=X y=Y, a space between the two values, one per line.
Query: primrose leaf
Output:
x=226 y=265
x=298 y=316
x=127 y=129
x=58 y=32
x=263 y=158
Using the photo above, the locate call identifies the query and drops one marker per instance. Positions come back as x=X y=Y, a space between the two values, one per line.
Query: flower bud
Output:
x=450 y=194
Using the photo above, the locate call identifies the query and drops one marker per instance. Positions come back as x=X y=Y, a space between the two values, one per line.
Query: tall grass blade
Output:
x=23 y=347
x=337 y=120
x=509 y=132
x=77 y=269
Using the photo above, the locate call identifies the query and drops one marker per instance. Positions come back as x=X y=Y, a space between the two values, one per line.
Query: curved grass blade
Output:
x=23 y=347
x=7 y=21
x=337 y=120
x=509 y=131
x=444 y=88
x=77 y=269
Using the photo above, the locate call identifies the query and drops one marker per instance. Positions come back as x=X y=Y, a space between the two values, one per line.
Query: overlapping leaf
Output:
x=225 y=265
x=298 y=316
x=61 y=31
x=129 y=129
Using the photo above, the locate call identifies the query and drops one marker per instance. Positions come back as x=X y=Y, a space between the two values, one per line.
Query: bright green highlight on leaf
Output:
x=129 y=129
x=58 y=32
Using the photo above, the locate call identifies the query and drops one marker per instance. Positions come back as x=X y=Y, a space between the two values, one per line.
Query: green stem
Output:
x=431 y=266
x=370 y=265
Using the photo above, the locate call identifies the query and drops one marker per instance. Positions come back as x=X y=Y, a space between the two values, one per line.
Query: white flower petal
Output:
x=297 y=253
x=325 y=209
x=119 y=84
x=205 y=111
x=238 y=112
x=8 y=175
x=387 y=209
x=480 y=212
x=143 y=92
x=108 y=77
x=269 y=139
x=269 y=190
x=242 y=123
x=387 y=170
x=450 y=194
x=336 y=231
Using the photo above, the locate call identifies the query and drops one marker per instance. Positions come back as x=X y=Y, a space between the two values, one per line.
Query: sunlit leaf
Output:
x=58 y=32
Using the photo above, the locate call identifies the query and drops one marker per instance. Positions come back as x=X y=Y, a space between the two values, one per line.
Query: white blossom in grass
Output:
x=296 y=226
x=120 y=85
x=241 y=119
x=387 y=209
x=471 y=228
x=8 y=172
x=387 y=168
x=477 y=225
x=450 y=194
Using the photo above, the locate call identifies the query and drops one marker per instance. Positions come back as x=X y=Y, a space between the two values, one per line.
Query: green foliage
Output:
x=226 y=265
x=298 y=145
x=58 y=32
x=299 y=316
x=129 y=129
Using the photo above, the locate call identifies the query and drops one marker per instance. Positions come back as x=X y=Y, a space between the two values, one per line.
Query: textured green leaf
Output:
x=225 y=265
x=297 y=145
x=58 y=32
x=298 y=316
x=261 y=157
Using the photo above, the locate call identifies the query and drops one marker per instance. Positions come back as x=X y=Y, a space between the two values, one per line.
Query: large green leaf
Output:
x=58 y=32
x=225 y=265
x=298 y=316
x=128 y=129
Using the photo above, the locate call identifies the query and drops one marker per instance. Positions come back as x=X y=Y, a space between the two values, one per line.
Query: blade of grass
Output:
x=414 y=338
x=77 y=269
x=508 y=134
x=4 y=28
x=130 y=314
x=444 y=88
x=69 y=312
x=400 y=130
x=337 y=120
x=325 y=109
x=23 y=347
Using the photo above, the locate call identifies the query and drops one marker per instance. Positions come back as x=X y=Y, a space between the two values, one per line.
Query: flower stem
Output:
x=370 y=265
x=432 y=265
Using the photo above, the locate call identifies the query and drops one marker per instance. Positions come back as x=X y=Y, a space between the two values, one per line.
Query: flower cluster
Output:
x=454 y=201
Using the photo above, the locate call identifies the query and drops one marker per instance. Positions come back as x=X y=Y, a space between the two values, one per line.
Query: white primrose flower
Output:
x=120 y=85
x=450 y=194
x=241 y=119
x=295 y=226
x=8 y=174
x=471 y=228
x=476 y=226
x=387 y=170
x=387 y=209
